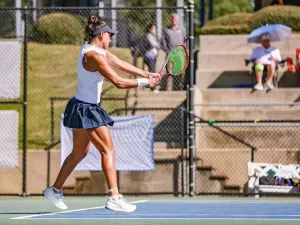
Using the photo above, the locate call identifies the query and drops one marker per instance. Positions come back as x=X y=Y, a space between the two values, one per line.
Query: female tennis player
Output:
x=88 y=121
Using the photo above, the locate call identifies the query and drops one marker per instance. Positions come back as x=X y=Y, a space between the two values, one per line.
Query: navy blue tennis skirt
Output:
x=83 y=115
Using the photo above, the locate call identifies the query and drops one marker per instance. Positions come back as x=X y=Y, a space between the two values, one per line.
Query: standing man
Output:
x=173 y=35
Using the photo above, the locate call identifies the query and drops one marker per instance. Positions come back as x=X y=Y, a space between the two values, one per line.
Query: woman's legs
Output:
x=81 y=144
x=102 y=140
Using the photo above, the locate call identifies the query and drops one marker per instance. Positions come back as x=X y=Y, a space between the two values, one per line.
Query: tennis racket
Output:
x=176 y=62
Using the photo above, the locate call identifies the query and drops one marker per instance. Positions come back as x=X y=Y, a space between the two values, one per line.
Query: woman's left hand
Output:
x=155 y=76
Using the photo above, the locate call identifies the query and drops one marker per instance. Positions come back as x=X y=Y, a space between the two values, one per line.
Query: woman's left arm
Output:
x=125 y=66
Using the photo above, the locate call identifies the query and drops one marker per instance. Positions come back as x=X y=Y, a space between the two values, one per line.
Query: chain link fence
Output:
x=45 y=67
x=229 y=150
x=54 y=37
x=12 y=105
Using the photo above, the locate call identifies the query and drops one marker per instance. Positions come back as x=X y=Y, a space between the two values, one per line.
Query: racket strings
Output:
x=177 y=61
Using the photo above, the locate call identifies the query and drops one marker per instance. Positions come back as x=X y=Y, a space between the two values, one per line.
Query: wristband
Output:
x=142 y=82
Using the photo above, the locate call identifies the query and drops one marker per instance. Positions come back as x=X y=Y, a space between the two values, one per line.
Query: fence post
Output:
x=183 y=147
x=211 y=9
x=24 y=183
x=51 y=142
x=191 y=101
x=252 y=154
x=52 y=119
x=202 y=12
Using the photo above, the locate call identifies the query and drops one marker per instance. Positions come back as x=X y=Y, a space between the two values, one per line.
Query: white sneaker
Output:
x=55 y=197
x=269 y=86
x=259 y=86
x=118 y=203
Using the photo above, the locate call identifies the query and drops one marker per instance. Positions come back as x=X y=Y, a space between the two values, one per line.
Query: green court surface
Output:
x=153 y=210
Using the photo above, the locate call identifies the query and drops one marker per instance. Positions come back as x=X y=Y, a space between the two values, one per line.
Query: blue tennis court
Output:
x=185 y=210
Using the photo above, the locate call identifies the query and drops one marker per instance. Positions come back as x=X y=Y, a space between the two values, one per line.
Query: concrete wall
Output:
x=231 y=162
x=11 y=178
x=160 y=179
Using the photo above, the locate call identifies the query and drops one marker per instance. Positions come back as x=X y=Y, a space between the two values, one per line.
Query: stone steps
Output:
x=166 y=178
x=163 y=99
x=165 y=106
x=258 y=136
x=248 y=96
x=232 y=162
x=219 y=170
x=234 y=113
x=227 y=61
x=238 y=43
x=234 y=79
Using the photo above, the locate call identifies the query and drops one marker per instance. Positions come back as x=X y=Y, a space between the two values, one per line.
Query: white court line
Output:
x=206 y=214
x=68 y=211
x=171 y=218
x=212 y=201
x=222 y=202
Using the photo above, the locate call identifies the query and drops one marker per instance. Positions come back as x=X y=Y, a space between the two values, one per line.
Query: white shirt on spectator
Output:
x=263 y=55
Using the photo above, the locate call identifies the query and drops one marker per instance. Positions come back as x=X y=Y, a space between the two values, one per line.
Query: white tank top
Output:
x=89 y=83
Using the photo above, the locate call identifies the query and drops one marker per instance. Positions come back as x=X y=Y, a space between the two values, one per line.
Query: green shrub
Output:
x=287 y=15
x=233 y=29
x=244 y=23
x=236 y=23
x=59 y=28
x=231 y=19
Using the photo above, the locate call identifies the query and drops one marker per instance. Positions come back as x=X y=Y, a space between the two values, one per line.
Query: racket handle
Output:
x=163 y=74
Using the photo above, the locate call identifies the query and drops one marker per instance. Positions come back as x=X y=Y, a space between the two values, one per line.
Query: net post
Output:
x=191 y=121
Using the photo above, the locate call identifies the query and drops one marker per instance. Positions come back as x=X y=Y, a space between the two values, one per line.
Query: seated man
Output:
x=265 y=58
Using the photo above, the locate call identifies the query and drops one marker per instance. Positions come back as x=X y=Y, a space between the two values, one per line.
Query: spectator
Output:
x=152 y=50
x=265 y=58
x=173 y=35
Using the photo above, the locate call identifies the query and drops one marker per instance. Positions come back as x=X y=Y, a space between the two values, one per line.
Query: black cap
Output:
x=105 y=29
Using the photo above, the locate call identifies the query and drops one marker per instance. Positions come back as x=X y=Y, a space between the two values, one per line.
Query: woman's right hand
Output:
x=152 y=82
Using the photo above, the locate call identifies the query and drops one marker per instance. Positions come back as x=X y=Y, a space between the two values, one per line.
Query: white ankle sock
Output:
x=56 y=190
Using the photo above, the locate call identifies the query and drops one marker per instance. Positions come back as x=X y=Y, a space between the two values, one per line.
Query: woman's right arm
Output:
x=93 y=61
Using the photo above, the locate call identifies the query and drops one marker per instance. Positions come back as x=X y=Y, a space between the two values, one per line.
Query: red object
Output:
x=290 y=65
x=298 y=60
x=289 y=61
x=297 y=52
x=291 y=68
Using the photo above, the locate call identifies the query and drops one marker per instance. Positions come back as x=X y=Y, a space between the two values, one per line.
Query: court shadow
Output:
x=232 y=79
x=171 y=129
x=289 y=80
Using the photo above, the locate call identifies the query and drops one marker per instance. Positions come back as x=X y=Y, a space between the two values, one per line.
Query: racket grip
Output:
x=163 y=74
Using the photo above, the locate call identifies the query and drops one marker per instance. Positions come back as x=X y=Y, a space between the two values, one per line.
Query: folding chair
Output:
x=265 y=73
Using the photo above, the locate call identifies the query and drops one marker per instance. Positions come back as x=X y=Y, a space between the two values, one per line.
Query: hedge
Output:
x=244 y=23
x=231 y=19
x=287 y=15
x=59 y=28
x=233 y=29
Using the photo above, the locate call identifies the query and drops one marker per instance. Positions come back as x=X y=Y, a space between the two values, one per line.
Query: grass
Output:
x=52 y=72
